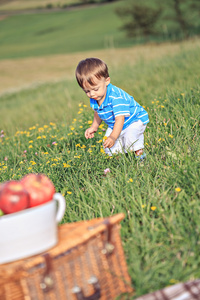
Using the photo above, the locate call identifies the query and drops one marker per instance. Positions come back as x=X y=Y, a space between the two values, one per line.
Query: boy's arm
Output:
x=89 y=133
x=119 y=123
x=96 y=122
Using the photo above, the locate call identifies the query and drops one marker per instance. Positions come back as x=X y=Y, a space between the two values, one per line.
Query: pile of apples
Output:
x=32 y=190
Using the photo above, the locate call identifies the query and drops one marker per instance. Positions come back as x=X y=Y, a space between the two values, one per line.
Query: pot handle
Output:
x=61 y=206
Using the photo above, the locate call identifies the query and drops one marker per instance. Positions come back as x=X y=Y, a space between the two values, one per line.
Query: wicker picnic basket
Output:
x=88 y=263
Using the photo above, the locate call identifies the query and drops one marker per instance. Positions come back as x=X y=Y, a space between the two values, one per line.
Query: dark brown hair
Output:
x=89 y=69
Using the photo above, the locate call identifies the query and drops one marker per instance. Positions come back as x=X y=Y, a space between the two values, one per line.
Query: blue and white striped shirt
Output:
x=119 y=103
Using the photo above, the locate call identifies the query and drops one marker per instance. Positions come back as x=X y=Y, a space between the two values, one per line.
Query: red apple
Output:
x=39 y=187
x=13 y=197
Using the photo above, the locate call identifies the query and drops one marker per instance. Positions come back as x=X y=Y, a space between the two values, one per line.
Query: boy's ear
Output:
x=107 y=81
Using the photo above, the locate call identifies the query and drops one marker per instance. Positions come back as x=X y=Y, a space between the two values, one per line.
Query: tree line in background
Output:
x=149 y=18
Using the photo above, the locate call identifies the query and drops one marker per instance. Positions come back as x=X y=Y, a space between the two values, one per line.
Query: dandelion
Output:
x=153 y=208
x=171 y=136
x=72 y=128
x=30 y=146
x=39 y=137
x=178 y=189
x=105 y=138
x=143 y=205
x=173 y=281
x=69 y=193
x=66 y=165
x=30 y=142
x=80 y=126
x=40 y=129
x=130 y=180
x=106 y=171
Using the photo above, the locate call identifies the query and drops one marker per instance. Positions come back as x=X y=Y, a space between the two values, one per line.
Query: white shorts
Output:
x=130 y=139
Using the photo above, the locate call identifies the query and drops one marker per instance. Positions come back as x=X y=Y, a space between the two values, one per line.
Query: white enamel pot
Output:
x=31 y=231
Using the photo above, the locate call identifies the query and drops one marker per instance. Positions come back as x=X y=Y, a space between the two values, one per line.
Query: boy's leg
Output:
x=118 y=146
x=134 y=137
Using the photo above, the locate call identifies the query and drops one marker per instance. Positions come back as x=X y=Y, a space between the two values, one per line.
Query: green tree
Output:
x=142 y=19
x=185 y=14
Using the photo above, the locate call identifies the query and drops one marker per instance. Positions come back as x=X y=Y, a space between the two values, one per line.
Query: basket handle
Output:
x=108 y=245
x=77 y=291
x=47 y=280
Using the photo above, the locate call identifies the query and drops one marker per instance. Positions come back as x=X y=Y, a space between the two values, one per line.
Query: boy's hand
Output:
x=110 y=141
x=89 y=133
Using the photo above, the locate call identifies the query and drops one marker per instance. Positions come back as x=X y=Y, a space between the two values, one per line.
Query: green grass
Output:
x=61 y=32
x=82 y=29
x=144 y=80
x=35 y=4
x=160 y=198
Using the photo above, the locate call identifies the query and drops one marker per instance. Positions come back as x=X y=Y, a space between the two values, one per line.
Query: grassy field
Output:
x=16 y=5
x=69 y=31
x=61 y=32
x=43 y=131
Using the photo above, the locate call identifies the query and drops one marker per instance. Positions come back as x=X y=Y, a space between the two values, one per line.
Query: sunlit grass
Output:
x=160 y=198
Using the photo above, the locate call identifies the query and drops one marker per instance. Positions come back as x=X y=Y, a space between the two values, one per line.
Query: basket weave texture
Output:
x=88 y=263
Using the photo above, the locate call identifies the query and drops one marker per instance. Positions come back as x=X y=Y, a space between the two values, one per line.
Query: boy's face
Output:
x=98 y=90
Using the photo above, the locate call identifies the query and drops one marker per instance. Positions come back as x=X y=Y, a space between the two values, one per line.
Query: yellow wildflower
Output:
x=153 y=207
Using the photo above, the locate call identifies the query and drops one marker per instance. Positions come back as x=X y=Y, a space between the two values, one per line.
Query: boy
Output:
x=125 y=118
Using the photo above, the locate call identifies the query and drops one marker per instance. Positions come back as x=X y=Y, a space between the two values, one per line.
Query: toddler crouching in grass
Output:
x=126 y=119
